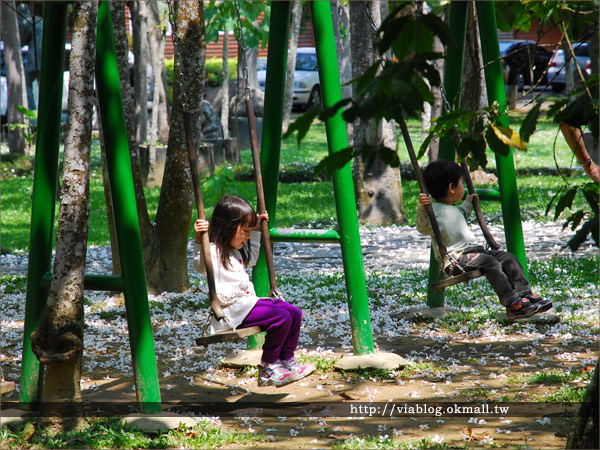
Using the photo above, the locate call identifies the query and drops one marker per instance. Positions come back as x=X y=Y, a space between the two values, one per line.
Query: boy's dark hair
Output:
x=229 y=213
x=439 y=174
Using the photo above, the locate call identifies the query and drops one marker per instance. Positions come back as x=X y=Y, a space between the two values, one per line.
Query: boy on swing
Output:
x=444 y=182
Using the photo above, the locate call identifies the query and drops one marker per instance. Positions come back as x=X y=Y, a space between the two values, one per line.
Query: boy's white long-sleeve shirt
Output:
x=233 y=285
x=452 y=222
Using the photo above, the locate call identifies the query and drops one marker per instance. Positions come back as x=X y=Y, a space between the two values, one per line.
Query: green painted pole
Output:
x=345 y=200
x=507 y=177
x=271 y=135
x=44 y=191
x=126 y=218
x=272 y=122
x=457 y=24
x=296 y=235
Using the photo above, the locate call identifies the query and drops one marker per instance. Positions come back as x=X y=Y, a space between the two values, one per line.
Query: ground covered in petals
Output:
x=467 y=358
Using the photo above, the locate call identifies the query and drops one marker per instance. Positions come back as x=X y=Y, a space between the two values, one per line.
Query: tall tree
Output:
x=15 y=76
x=140 y=68
x=473 y=93
x=58 y=341
x=378 y=186
x=156 y=45
x=173 y=215
x=291 y=62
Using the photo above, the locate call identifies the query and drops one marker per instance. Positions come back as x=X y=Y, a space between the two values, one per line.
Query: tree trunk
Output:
x=569 y=68
x=58 y=341
x=147 y=228
x=175 y=203
x=158 y=34
x=345 y=53
x=584 y=432
x=225 y=86
x=291 y=63
x=251 y=56
x=15 y=77
x=471 y=89
x=140 y=67
x=378 y=186
x=157 y=61
x=436 y=109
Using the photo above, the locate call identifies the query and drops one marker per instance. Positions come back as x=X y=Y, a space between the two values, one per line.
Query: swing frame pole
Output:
x=453 y=70
x=345 y=200
x=44 y=193
x=126 y=219
x=496 y=91
x=271 y=137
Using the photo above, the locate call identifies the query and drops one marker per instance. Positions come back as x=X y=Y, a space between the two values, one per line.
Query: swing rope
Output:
x=215 y=303
x=464 y=276
x=260 y=195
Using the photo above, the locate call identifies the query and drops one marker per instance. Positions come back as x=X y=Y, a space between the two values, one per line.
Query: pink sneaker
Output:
x=276 y=375
x=303 y=370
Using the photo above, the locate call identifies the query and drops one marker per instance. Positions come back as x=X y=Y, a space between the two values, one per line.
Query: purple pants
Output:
x=282 y=323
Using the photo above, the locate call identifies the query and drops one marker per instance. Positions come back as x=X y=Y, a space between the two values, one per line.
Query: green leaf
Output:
x=591 y=192
x=389 y=156
x=557 y=195
x=425 y=145
x=302 y=124
x=28 y=431
x=391 y=30
x=565 y=201
x=574 y=219
x=335 y=161
x=440 y=29
x=509 y=136
x=582 y=234
x=530 y=123
x=495 y=144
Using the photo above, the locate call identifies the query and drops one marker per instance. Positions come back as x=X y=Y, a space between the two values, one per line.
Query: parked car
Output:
x=307 y=88
x=524 y=59
x=557 y=71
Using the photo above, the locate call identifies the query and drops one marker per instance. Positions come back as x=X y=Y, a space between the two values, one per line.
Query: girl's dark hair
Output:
x=228 y=214
x=439 y=174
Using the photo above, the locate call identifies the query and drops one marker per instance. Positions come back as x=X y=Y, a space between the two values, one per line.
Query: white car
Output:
x=557 y=71
x=307 y=89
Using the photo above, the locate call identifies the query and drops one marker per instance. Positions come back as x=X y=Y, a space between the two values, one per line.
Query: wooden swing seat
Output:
x=227 y=336
x=463 y=277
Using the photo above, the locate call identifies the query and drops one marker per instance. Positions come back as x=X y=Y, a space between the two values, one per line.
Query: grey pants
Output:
x=502 y=270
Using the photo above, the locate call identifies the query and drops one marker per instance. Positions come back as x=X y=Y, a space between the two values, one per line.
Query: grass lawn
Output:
x=299 y=204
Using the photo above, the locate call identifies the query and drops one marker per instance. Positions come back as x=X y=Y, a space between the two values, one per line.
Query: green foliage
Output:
x=110 y=433
x=216 y=184
x=214 y=70
x=586 y=217
x=28 y=126
x=222 y=16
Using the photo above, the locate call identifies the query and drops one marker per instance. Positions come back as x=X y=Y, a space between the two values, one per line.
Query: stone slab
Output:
x=14 y=417
x=388 y=361
x=158 y=422
x=538 y=319
x=243 y=359
x=7 y=386
x=427 y=313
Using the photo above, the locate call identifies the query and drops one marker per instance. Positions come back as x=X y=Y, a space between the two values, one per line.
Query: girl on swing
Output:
x=234 y=246
x=444 y=181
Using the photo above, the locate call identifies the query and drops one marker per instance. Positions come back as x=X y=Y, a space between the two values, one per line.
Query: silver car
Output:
x=307 y=89
x=557 y=71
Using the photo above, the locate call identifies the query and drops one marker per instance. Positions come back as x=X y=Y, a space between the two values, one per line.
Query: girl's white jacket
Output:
x=233 y=285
